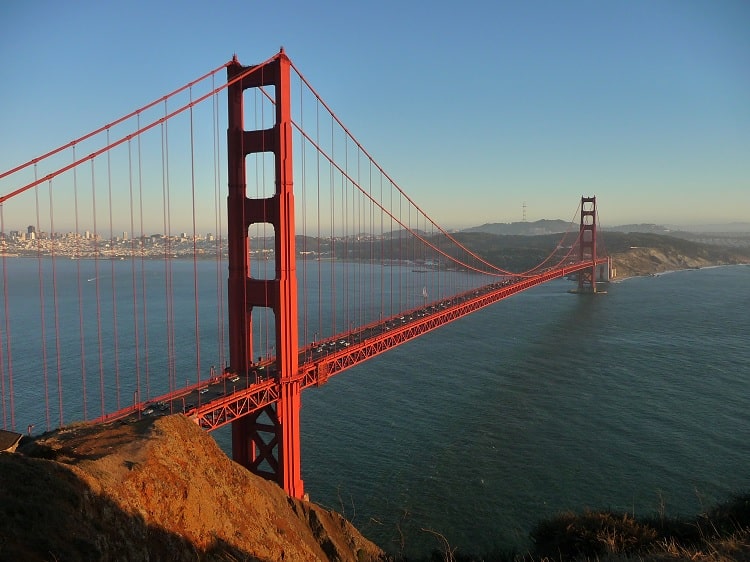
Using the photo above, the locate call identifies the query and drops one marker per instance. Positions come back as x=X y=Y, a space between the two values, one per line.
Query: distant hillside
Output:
x=730 y=227
x=732 y=235
x=643 y=227
x=633 y=253
x=536 y=228
x=644 y=254
x=727 y=239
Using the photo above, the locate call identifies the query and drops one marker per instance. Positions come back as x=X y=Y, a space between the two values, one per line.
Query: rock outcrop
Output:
x=155 y=489
x=649 y=261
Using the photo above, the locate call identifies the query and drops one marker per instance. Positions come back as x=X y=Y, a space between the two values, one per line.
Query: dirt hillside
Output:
x=649 y=261
x=156 y=489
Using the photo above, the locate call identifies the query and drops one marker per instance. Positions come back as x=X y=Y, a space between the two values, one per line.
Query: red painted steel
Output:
x=265 y=410
x=277 y=457
x=368 y=342
x=587 y=245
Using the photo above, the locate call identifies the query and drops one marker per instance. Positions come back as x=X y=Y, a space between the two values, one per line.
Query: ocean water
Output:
x=635 y=400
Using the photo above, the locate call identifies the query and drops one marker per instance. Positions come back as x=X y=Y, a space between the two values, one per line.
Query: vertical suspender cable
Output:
x=3 y=404
x=382 y=252
x=42 y=312
x=58 y=351
x=80 y=289
x=401 y=235
x=8 y=353
x=305 y=286
x=320 y=265
x=98 y=290
x=440 y=268
x=167 y=258
x=263 y=337
x=144 y=298
x=134 y=276
x=218 y=228
x=263 y=190
x=358 y=230
x=257 y=328
x=170 y=271
x=391 y=252
x=115 y=338
x=301 y=204
x=331 y=198
x=195 y=246
x=371 y=242
x=220 y=247
x=345 y=226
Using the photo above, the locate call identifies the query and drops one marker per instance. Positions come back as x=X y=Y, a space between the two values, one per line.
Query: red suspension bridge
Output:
x=124 y=295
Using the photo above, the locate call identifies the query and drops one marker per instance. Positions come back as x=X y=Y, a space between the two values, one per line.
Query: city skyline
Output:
x=515 y=108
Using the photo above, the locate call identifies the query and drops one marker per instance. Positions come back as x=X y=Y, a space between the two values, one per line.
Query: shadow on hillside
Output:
x=48 y=513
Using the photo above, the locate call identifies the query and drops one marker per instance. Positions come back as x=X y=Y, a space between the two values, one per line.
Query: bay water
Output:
x=636 y=400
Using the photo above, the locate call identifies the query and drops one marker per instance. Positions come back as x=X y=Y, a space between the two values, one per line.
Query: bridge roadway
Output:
x=222 y=399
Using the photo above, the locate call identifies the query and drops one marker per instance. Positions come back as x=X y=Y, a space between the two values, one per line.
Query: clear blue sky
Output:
x=473 y=107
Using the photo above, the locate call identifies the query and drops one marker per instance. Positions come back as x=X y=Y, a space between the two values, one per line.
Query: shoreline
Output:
x=670 y=271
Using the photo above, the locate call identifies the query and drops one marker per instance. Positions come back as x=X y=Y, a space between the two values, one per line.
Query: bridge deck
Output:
x=225 y=398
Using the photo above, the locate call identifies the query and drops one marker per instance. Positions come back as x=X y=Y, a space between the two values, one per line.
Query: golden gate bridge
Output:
x=330 y=263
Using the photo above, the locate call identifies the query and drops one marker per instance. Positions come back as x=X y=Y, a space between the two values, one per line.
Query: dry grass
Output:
x=723 y=534
x=720 y=535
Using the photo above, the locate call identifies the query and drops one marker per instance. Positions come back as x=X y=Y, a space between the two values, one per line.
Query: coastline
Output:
x=651 y=261
x=671 y=271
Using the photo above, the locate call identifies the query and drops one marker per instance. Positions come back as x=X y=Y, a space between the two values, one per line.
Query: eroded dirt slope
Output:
x=157 y=489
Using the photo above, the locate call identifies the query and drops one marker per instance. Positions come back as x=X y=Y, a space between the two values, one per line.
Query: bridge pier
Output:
x=268 y=442
x=587 y=245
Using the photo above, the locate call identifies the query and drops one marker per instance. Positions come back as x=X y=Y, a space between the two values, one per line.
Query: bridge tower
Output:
x=266 y=442
x=587 y=245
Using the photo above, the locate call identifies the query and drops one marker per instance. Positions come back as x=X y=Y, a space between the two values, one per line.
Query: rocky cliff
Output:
x=649 y=261
x=637 y=253
x=155 y=489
